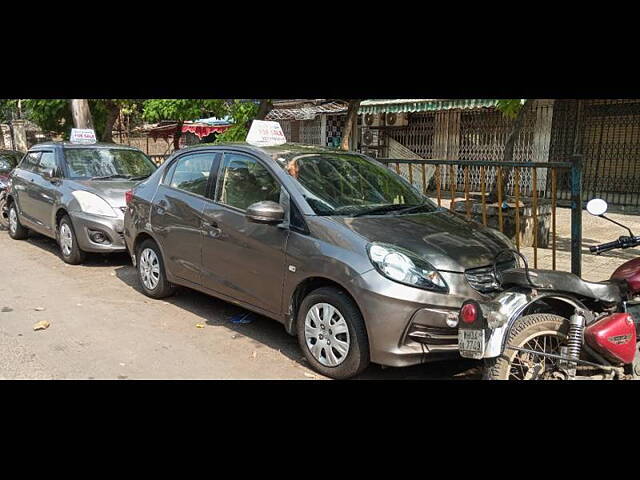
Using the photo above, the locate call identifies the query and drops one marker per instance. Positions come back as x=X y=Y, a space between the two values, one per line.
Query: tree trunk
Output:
x=113 y=111
x=177 y=135
x=508 y=151
x=266 y=105
x=81 y=113
x=352 y=115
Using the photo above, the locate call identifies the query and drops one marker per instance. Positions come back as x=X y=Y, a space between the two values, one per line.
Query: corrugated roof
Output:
x=423 y=105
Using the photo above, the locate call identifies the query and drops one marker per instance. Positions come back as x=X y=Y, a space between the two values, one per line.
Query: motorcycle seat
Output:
x=607 y=291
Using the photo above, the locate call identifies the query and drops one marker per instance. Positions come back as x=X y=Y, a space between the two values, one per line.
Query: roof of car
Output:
x=287 y=148
x=83 y=145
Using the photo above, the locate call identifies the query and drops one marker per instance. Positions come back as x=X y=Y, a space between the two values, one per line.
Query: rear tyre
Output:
x=4 y=212
x=542 y=332
x=332 y=333
x=16 y=230
x=151 y=272
x=69 y=249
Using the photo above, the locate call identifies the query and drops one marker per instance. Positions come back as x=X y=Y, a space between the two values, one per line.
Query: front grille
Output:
x=483 y=280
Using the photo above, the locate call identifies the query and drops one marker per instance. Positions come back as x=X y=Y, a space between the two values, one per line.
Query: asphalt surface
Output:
x=102 y=327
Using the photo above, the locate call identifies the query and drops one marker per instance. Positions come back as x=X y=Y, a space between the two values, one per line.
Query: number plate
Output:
x=471 y=343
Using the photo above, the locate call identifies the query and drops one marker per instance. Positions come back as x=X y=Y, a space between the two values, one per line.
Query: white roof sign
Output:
x=265 y=134
x=83 y=135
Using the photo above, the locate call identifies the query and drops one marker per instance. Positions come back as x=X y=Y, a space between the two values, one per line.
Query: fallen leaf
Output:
x=41 y=325
x=199 y=325
x=39 y=309
x=310 y=375
x=7 y=309
x=254 y=354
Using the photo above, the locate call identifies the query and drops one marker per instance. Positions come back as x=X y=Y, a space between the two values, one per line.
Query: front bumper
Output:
x=112 y=228
x=409 y=326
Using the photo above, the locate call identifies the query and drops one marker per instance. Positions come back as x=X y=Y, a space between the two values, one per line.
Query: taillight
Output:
x=128 y=196
x=469 y=313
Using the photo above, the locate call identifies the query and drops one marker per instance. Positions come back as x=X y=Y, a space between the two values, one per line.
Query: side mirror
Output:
x=597 y=207
x=265 y=212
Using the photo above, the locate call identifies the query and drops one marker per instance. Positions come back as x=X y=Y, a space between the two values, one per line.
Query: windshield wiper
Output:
x=384 y=209
x=107 y=177
x=139 y=177
x=412 y=208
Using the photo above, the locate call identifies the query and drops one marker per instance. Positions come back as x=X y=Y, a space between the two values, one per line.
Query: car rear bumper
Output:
x=112 y=228
x=408 y=326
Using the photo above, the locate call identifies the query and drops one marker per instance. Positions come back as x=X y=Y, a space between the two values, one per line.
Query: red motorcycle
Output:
x=549 y=325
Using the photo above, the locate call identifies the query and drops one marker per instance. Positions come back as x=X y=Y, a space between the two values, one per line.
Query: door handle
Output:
x=160 y=208
x=212 y=229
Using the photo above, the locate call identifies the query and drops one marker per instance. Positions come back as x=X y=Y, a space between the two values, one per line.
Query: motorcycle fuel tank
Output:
x=629 y=271
x=614 y=337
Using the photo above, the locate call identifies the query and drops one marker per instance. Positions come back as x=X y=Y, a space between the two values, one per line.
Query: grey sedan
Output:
x=75 y=194
x=349 y=256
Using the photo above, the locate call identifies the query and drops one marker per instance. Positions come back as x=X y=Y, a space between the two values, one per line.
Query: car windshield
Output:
x=8 y=161
x=108 y=163
x=352 y=185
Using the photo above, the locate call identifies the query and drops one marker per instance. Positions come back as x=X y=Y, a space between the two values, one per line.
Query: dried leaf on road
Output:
x=7 y=309
x=199 y=325
x=41 y=325
x=310 y=375
x=254 y=354
x=39 y=309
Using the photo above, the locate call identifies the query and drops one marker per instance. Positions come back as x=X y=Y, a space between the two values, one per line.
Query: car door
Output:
x=23 y=179
x=44 y=192
x=176 y=213
x=241 y=259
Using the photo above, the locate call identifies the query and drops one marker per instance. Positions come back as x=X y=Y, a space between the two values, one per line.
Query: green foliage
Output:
x=8 y=110
x=180 y=110
x=50 y=115
x=510 y=107
x=241 y=113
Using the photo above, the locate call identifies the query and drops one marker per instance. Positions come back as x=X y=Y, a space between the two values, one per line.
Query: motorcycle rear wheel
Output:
x=542 y=332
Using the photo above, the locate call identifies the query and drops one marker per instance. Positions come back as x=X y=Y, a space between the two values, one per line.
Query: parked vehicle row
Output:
x=350 y=257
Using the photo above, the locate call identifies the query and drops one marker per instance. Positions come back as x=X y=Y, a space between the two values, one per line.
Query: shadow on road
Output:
x=265 y=331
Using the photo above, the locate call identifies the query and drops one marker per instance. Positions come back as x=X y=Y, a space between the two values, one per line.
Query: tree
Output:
x=181 y=110
x=515 y=109
x=352 y=115
x=242 y=113
x=81 y=113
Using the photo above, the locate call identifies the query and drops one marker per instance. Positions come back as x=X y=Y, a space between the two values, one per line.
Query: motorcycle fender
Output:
x=508 y=307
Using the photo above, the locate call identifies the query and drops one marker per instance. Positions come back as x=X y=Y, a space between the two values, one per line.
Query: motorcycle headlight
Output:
x=93 y=204
x=404 y=267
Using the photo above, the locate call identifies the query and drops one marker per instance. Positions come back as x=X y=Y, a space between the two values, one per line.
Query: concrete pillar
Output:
x=20 y=135
x=446 y=139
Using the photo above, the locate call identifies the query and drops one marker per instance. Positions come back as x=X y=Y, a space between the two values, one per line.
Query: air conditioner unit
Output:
x=396 y=120
x=373 y=120
x=368 y=138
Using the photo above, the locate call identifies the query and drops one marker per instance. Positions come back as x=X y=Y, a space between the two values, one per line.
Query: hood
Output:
x=111 y=190
x=446 y=241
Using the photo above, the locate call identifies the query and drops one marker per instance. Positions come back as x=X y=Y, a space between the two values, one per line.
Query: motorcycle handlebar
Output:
x=622 y=242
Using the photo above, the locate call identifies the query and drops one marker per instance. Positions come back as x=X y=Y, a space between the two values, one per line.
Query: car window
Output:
x=30 y=161
x=244 y=181
x=47 y=161
x=191 y=173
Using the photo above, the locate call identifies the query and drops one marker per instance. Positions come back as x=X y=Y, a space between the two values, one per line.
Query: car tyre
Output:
x=16 y=230
x=151 y=271
x=68 y=242
x=328 y=315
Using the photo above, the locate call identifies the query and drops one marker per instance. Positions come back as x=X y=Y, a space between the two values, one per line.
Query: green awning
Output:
x=422 y=105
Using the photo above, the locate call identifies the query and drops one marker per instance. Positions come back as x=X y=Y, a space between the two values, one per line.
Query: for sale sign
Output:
x=265 y=134
x=83 y=135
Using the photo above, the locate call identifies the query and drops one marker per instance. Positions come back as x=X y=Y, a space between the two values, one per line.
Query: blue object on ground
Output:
x=243 y=318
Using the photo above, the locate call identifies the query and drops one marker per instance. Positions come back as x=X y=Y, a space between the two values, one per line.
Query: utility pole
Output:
x=81 y=113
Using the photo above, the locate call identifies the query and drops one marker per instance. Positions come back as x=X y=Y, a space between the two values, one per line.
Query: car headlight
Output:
x=404 y=267
x=93 y=204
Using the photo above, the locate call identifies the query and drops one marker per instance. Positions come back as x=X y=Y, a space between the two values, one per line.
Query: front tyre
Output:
x=4 y=212
x=68 y=242
x=541 y=332
x=151 y=272
x=332 y=334
x=16 y=230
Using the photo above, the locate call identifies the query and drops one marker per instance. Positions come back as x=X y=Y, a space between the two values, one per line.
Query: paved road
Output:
x=102 y=327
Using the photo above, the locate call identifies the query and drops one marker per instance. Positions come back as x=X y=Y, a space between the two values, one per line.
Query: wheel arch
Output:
x=302 y=289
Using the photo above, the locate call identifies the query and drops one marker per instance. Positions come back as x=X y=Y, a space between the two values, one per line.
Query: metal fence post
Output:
x=576 y=214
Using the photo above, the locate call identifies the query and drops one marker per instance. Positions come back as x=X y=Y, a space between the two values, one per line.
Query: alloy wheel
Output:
x=326 y=334
x=13 y=220
x=149 y=268
x=66 y=240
